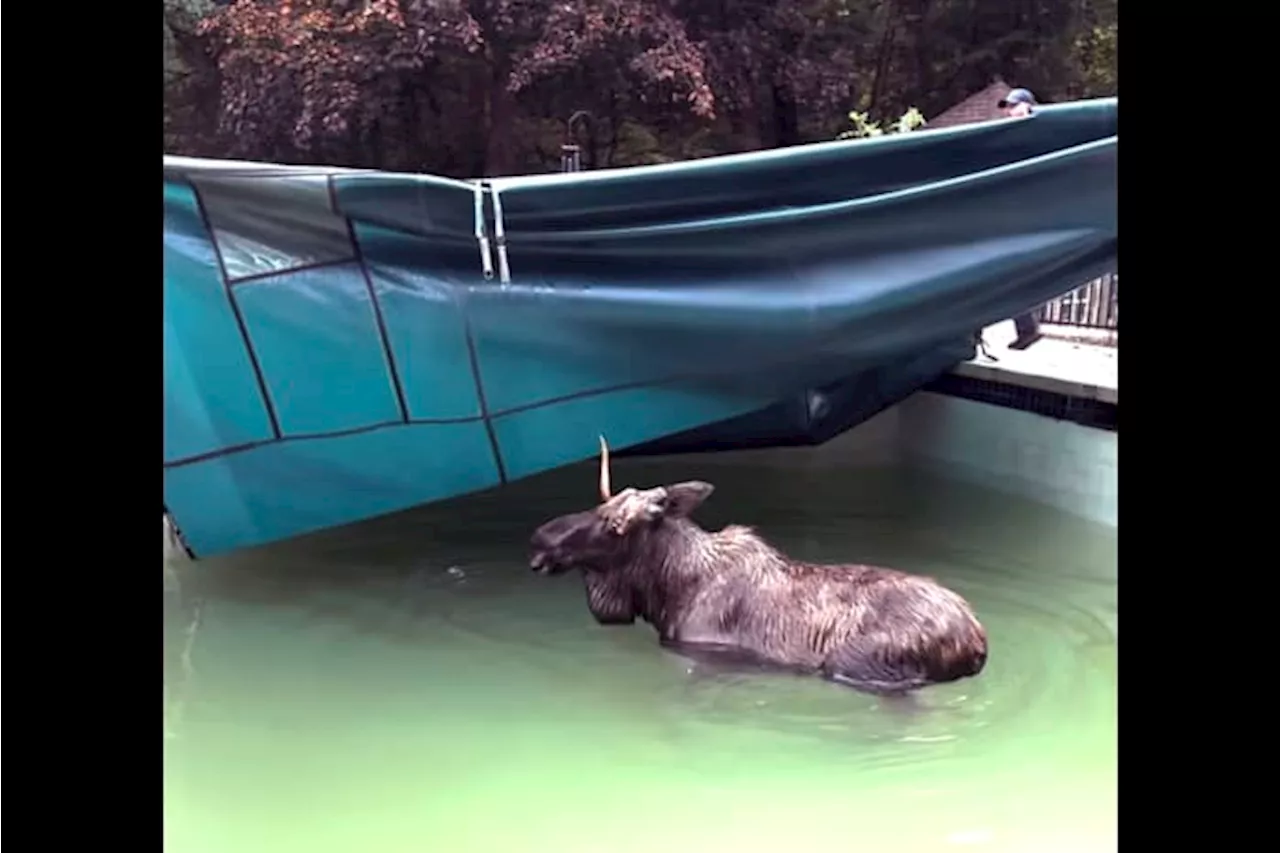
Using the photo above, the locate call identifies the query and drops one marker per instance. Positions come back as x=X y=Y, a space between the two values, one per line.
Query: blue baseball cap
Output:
x=1017 y=96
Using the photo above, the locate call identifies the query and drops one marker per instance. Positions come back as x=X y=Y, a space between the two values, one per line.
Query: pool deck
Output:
x=1076 y=369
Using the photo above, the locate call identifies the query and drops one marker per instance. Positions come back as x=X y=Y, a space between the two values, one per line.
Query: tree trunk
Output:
x=786 y=118
x=499 y=156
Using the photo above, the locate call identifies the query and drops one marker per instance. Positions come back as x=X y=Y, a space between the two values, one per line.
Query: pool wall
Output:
x=1056 y=462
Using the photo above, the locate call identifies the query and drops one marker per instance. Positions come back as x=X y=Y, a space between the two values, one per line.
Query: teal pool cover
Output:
x=340 y=344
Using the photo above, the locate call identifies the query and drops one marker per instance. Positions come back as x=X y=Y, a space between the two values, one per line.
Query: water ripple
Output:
x=445 y=616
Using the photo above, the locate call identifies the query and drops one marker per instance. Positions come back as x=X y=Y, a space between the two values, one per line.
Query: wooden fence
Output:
x=1092 y=306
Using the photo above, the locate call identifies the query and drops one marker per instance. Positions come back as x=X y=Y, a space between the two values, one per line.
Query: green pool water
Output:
x=408 y=685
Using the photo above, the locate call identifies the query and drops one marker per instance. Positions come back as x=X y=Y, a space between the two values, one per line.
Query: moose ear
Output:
x=684 y=498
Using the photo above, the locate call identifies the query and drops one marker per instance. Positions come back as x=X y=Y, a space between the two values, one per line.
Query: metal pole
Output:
x=570 y=158
x=571 y=151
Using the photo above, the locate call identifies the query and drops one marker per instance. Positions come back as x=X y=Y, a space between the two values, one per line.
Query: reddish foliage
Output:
x=485 y=86
x=304 y=70
x=301 y=68
x=647 y=36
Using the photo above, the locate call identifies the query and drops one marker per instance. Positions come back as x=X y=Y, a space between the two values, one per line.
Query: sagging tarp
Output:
x=340 y=344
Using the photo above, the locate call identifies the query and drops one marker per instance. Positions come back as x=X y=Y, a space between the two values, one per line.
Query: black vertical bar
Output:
x=377 y=305
x=480 y=397
x=235 y=310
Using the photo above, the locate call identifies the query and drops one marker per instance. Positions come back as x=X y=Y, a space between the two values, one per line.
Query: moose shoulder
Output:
x=874 y=629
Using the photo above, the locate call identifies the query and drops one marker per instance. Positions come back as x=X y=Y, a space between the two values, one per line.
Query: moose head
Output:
x=608 y=535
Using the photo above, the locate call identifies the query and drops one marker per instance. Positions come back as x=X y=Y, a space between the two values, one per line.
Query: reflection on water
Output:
x=409 y=685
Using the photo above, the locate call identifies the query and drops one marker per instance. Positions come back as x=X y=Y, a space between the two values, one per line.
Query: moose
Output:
x=730 y=595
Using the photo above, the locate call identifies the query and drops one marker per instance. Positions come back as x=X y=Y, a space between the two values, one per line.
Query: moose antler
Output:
x=605 y=491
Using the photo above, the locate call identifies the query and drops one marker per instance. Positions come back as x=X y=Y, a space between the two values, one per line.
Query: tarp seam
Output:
x=245 y=339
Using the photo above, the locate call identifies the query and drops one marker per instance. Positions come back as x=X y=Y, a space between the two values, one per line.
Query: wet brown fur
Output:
x=875 y=629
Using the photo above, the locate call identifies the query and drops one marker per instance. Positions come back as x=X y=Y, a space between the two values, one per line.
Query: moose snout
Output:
x=541 y=549
x=558 y=545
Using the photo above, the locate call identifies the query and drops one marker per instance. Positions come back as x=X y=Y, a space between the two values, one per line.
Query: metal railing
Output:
x=1092 y=306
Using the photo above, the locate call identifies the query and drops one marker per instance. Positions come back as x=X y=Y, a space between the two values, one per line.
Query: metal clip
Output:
x=500 y=238
x=482 y=236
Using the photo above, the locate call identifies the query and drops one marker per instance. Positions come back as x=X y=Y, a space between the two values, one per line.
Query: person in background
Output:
x=1020 y=102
